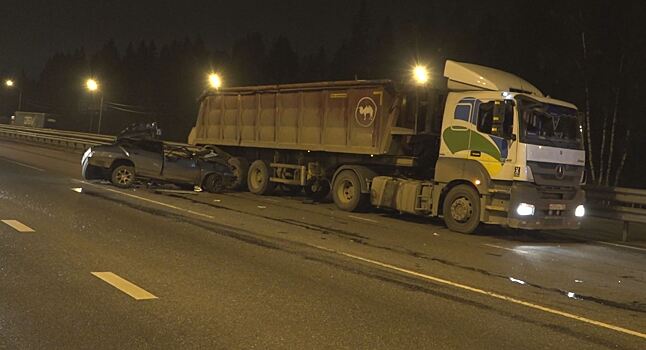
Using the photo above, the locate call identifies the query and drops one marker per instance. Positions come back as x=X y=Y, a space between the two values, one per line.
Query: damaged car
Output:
x=137 y=154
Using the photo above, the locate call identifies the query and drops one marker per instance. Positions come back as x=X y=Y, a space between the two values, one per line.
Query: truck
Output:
x=34 y=119
x=480 y=146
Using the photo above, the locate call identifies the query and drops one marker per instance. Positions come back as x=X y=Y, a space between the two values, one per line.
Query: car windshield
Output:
x=548 y=124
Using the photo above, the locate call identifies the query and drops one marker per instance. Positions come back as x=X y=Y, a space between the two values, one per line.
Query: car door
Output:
x=181 y=166
x=147 y=155
x=490 y=144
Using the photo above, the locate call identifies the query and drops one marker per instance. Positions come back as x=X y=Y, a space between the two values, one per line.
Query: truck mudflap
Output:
x=553 y=207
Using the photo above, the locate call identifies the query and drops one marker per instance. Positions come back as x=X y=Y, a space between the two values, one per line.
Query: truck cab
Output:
x=521 y=151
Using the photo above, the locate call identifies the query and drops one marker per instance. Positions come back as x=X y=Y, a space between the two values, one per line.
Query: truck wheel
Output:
x=258 y=178
x=240 y=169
x=461 y=209
x=213 y=183
x=123 y=176
x=346 y=192
x=318 y=191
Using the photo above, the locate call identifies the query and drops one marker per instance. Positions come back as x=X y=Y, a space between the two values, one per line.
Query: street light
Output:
x=12 y=84
x=215 y=81
x=93 y=86
x=420 y=75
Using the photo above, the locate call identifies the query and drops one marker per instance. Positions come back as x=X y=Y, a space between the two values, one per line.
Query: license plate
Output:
x=557 y=206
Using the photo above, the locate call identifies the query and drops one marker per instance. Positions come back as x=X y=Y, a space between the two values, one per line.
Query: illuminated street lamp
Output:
x=215 y=81
x=11 y=85
x=420 y=75
x=93 y=86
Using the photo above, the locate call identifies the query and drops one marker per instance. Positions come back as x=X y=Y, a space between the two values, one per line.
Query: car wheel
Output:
x=240 y=169
x=258 y=178
x=461 y=209
x=123 y=176
x=346 y=192
x=213 y=183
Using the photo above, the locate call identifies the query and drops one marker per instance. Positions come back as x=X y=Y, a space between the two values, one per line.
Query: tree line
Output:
x=585 y=52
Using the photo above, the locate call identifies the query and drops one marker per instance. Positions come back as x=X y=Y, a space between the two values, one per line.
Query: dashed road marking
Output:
x=23 y=164
x=505 y=248
x=490 y=294
x=18 y=226
x=364 y=219
x=124 y=285
x=424 y=276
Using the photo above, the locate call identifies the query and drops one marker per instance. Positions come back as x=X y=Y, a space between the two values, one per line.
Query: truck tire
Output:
x=461 y=209
x=346 y=192
x=123 y=176
x=318 y=191
x=240 y=169
x=258 y=178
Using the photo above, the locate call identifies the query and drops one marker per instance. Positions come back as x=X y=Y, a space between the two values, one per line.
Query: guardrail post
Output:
x=624 y=233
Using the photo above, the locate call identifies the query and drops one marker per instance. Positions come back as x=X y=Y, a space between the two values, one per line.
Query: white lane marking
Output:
x=149 y=200
x=23 y=164
x=364 y=219
x=18 y=226
x=505 y=248
x=621 y=245
x=490 y=294
x=124 y=285
x=428 y=277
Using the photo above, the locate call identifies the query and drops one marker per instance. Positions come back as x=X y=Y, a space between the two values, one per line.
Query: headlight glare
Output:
x=525 y=209
x=579 y=212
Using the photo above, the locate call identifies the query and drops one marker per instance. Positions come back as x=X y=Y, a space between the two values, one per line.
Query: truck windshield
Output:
x=548 y=124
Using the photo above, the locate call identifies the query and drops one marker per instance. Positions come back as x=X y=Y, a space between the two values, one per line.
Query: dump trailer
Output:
x=484 y=147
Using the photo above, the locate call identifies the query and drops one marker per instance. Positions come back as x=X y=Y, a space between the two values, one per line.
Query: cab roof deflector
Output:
x=466 y=76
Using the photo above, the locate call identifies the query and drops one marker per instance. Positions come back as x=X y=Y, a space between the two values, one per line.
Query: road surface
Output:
x=88 y=265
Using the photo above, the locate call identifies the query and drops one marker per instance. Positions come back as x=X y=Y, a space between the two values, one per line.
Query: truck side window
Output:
x=462 y=112
x=497 y=125
x=485 y=117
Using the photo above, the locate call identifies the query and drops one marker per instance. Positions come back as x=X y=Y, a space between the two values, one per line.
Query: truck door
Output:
x=147 y=155
x=491 y=144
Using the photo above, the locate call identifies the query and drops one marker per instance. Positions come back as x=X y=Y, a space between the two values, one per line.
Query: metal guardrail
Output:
x=617 y=203
x=67 y=139
x=627 y=205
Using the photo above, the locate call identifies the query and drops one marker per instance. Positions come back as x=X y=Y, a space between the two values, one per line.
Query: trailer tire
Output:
x=258 y=178
x=346 y=192
x=240 y=169
x=461 y=209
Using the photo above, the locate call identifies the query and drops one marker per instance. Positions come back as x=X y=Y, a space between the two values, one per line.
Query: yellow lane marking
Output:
x=23 y=164
x=428 y=277
x=18 y=226
x=364 y=219
x=124 y=286
x=491 y=294
x=505 y=248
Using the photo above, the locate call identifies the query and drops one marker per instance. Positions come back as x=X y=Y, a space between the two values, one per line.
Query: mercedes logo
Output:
x=560 y=172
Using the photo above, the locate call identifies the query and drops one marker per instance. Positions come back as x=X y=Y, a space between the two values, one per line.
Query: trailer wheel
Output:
x=346 y=192
x=319 y=190
x=123 y=176
x=258 y=178
x=461 y=209
x=240 y=169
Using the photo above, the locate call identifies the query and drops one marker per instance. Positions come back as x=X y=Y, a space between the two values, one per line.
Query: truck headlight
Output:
x=579 y=212
x=525 y=209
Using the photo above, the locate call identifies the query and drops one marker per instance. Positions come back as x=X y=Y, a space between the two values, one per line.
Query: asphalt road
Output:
x=236 y=271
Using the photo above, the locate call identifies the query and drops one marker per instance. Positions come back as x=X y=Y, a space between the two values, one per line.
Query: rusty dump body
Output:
x=349 y=117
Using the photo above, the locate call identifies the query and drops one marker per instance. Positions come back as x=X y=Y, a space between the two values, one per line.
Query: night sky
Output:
x=31 y=31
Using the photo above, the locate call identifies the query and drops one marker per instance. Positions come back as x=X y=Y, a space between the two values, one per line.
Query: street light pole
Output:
x=100 y=114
